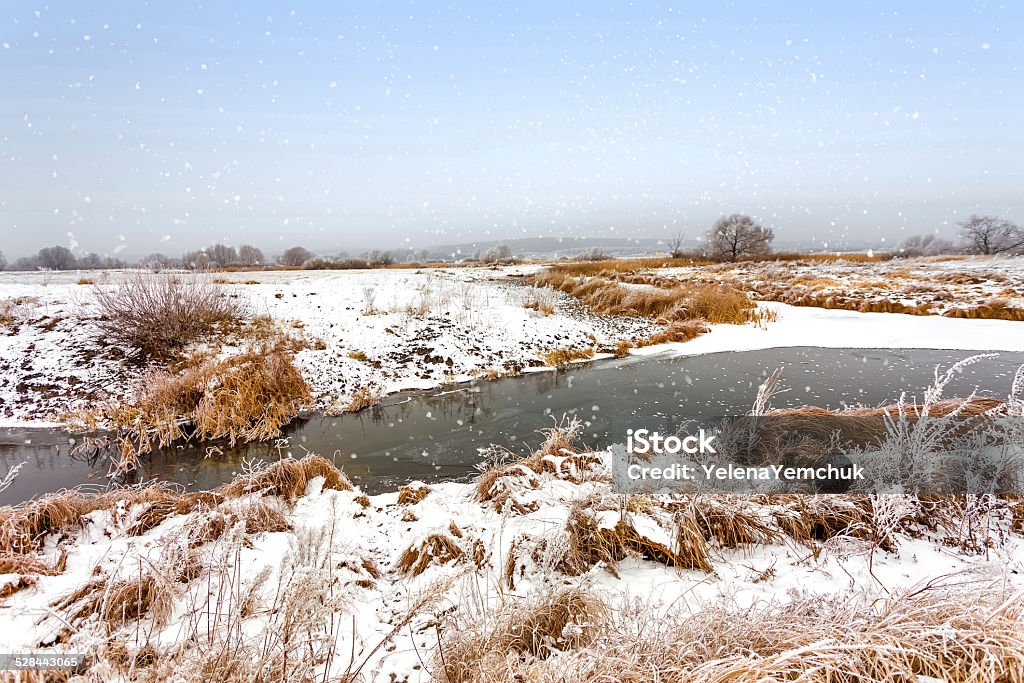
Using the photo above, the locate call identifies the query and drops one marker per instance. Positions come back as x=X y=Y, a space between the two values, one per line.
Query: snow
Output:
x=380 y=532
x=395 y=329
x=838 y=329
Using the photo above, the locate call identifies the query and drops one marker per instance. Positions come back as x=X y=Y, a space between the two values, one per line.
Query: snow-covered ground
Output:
x=938 y=286
x=389 y=330
x=343 y=554
x=384 y=329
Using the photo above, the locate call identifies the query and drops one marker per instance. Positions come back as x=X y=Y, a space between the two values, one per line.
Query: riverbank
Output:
x=366 y=334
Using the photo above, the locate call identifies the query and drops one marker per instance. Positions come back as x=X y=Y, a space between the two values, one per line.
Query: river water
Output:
x=438 y=435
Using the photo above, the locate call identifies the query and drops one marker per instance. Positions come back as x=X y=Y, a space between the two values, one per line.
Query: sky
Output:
x=133 y=127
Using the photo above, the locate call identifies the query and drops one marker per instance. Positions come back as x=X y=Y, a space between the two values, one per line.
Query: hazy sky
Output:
x=137 y=127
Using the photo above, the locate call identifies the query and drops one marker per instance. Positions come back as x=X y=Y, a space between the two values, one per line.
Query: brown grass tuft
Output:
x=436 y=548
x=17 y=563
x=554 y=622
x=289 y=479
x=171 y=503
x=590 y=543
x=412 y=494
x=248 y=397
x=119 y=602
x=815 y=518
x=363 y=397
x=711 y=303
x=564 y=357
x=265 y=515
x=678 y=331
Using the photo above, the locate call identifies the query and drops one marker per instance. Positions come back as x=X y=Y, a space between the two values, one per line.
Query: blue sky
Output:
x=135 y=127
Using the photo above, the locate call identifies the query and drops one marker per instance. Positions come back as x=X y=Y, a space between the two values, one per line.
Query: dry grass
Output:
x=678 y=331
x=160 y=314
x=247 y=397
x=171 y=503
x=811 y=519
x=557 y=455
x=562 y=358
x=265 y=515
x=119 y=602
x=410 y=494
x=438 y=548
x=359 y=356
x=626 y=265
x=711 y=303
x=590 y=543
x=714 y=305
x=927 y=632
x=289 y=479
x=729 y=520
x=363 y=397
x=561 y=620
x=25 y=527
x=994 y=309
x=17 y=563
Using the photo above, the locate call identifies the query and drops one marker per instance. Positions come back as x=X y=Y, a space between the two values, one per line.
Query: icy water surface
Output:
x=437 y=435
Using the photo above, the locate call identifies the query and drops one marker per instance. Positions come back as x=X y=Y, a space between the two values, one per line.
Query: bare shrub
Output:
x=160 y=314
x=991 y=235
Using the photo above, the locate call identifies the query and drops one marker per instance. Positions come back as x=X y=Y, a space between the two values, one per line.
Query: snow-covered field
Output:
x=387 y=330
x=925 y=285
x=332 y=587
x=383 y=329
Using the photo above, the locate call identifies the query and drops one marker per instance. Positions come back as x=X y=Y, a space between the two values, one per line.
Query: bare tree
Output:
x=594 y=254
x=222 y=254
x=992 y=235
x=379 y=258
x=90 y=261
x=295 y=256
x=500 y=253
x=250 y=255
x=926 y=245
x=675 y=246
x=3 y=261
x=197 y=260
x=56 y=258
x=735 y=236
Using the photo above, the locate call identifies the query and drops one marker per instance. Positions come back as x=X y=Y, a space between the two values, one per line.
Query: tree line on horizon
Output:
x=731 y=238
